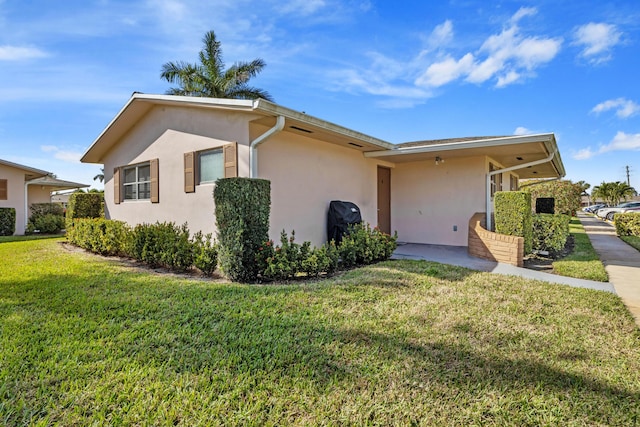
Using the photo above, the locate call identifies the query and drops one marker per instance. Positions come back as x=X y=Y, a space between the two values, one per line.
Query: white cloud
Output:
x=302 y=7
x=521 y=130
x=523 y=12
x=443 y=72
x=624 y=107
x=18 y=53
x=64 y=155
x=597 y=40
x=623 y=142
x=583 y=154
x=441 y=35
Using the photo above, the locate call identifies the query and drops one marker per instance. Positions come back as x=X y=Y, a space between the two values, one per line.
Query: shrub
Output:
x=46 y=218
x=102 y=236
x=242 y=208
x=513 y=216
x=163 y=244
x=363 y=245
x=7 y=221
x=205 y=253
x=550 y=232
x=627 y=224
x=84 y=205
x=567 y=194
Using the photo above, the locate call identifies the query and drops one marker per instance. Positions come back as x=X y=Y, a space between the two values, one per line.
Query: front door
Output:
x=384 y=199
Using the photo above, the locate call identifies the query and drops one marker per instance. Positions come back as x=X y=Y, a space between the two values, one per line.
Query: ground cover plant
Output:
x=583 y=262
x=90 y=341
x=632 y=241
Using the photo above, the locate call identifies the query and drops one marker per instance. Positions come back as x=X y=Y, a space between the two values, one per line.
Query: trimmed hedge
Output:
x=550 y=232
x=102 y=236
x=163 y=244
x=627 y=224
x=242 y=219
x=7 y=221
x=84 y=205
x=513 y=216
x=46 y=218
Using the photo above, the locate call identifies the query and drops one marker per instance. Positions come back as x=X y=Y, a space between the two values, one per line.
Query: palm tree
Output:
x=613 y=192
x=210 y=79
x=99 y=176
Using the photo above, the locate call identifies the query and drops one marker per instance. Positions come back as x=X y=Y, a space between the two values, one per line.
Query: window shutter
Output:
x=189 y=172
x=116 y=186
x=155 y=189
x=230 y=154
x=4 y=190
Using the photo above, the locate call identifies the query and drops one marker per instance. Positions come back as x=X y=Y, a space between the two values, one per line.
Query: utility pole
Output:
x=628 y=180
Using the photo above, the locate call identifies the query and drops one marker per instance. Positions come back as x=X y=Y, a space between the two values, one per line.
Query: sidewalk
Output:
x=621 y=261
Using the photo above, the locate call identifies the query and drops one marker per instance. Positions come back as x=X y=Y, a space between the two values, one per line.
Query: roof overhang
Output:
x=55 y=184
x=296 y=122
x=509 y=152
x=30 y=172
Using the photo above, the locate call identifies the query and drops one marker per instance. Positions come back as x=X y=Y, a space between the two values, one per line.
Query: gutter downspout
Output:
x=512 y=168
x=253 y=150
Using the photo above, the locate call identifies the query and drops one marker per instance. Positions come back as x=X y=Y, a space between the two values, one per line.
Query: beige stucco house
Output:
x=21 y=186
x=162 y=155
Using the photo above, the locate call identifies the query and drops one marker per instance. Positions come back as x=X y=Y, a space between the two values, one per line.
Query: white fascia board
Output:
x=462 y=145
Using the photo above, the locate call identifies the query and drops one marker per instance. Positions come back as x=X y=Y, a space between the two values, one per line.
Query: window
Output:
x=210 y=166
x=4 y=189
x=203 y=167
x=136 y=182
x=514 y=183
x=496 y=180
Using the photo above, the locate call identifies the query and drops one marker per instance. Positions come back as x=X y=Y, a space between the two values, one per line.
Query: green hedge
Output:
x=242 y=207
x=7 y=221
x=163 y=244
x=550 y=232
x=513 y=216
x=46 y=218
x=102 y=236
x=84 y=205
x=627 y=224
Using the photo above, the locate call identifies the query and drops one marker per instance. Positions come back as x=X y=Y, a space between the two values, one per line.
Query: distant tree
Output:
x=210 y=79
x=613 y=192
x=99 y=176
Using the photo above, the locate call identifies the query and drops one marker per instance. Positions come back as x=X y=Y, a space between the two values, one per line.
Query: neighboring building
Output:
x=20 y=186
x=162 y=155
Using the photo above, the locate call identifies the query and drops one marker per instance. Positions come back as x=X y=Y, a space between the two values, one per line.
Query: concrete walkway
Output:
x=621 y=261
x=458 y=255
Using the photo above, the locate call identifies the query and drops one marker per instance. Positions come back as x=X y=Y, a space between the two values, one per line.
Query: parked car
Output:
x=608 y=213
x=593 y=208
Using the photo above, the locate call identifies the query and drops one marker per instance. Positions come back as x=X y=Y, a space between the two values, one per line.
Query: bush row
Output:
x=513 y=216
x=46 y=218
x=550 y=232
x=7 y=221
x=84 y=205
x=627 y=224
x=360 y=246
x=158 y=245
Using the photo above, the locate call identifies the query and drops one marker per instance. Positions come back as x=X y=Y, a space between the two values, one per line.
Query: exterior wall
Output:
x=307 y=174
x=166 y=133
x=15 y=193
x=428 y=201
x=494 y=246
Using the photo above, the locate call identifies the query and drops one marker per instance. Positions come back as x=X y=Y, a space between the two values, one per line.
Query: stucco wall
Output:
x=15 y=193
x=428 y=201
x=166 y=133
x=306 y=175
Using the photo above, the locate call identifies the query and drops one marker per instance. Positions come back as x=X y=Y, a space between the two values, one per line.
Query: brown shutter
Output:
x=4 y=190
x=116 y=186
x=189 y=172
x=155 y=189
x=230 y=153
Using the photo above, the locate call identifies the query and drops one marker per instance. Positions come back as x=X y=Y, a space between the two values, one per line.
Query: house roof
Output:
x=509 y=151
x=295 y=122
x=56 y=184
x=31 y=173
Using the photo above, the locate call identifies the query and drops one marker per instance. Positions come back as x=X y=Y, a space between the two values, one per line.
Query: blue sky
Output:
x=399 y=71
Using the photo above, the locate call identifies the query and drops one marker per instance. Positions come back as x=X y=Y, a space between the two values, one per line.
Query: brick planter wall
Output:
x=493 y=246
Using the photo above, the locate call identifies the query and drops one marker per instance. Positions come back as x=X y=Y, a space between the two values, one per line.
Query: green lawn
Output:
x=583 y=262
x=87 y=341
x=633 y=241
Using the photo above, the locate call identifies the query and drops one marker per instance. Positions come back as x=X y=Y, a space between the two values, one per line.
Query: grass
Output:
x=583 y=262
x=6 y=239
x=633 y=241
x=88 y=341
